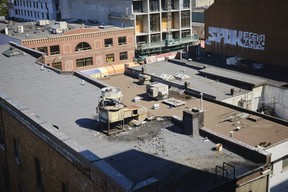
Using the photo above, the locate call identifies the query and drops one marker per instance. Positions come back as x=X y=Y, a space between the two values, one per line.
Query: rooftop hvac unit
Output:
x=157 y=90
x=111 y=93
x=42 y=22
x=20 y=29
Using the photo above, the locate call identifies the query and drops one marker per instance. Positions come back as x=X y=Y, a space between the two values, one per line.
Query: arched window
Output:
x=82 y=46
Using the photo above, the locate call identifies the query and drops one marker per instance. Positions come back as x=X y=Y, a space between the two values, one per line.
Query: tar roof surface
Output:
x=203 y=84
x=156 y=149
x=32 y=31
x=250 y=132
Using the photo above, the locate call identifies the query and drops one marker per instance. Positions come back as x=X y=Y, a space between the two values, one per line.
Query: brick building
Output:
x=155 y=21
x=86 y=48
x=72 y=47
x=250 y=29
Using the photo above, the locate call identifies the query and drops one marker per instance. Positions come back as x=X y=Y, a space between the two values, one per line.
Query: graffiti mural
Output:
x=244 y=39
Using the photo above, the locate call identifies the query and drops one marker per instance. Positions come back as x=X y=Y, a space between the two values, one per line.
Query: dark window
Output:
x=110 y=58
x=185 y=33
x=82 y=46
x=155 y=37
x=84 y=62
x=137 y=6
x=108 y=42
x=185 y=19
x=154 y=22
x=57 y=65
x=43 y=49
x=20 y=188
x=17 y=151
x=6 y=178
x=123 y=56
x=121 y=40
x=1 y=128
x=154 y=5
x=186 y=4
x=64 y=187
x=38 y=172
x=54 y=50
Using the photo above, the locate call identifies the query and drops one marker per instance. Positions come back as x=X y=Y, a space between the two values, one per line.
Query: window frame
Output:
x=110 y=58
x=121 y=54
x=43 y=49
x=121 y=42
x=57 y=65
x=56 y=52
x=38 y=173
x=108 y=42
x=84 y=61
x=2 y=137
x=80 y=46
x=16 y=146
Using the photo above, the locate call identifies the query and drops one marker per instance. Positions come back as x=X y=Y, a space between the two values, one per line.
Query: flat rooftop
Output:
x=155 y=149
x=33 y=31
x=199 y=77
x=251 y=132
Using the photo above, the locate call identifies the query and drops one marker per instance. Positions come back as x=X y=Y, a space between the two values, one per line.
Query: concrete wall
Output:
x=202 y=3
x=251 y=29
x=279 y=177
x=252 y=98
x=44 y=9
x=273 y=96
x=96 y=10
x=276 y=97
x=258 y=185
x=4 y=39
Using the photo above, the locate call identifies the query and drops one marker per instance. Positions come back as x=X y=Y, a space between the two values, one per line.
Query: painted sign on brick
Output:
x=244 y=39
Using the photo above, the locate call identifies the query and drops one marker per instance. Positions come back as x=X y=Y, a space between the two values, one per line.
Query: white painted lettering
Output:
x=244 y=39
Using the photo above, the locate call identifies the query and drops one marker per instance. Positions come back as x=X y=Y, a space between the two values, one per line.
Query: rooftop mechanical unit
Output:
x=157 y=90
x=113 y=114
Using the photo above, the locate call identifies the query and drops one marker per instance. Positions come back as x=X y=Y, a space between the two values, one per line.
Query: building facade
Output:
x=248 y=29
x=202 y=3
x=32 y=10
x=86 y=48
x=153 y=19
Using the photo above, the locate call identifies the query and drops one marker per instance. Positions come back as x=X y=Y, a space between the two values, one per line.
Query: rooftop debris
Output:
x=235 y=117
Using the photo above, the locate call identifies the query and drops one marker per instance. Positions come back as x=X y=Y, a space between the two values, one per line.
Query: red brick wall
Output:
x=54 y=168
x=98 y=51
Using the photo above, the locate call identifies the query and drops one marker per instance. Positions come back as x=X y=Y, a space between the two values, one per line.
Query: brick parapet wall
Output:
x=72 y=37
